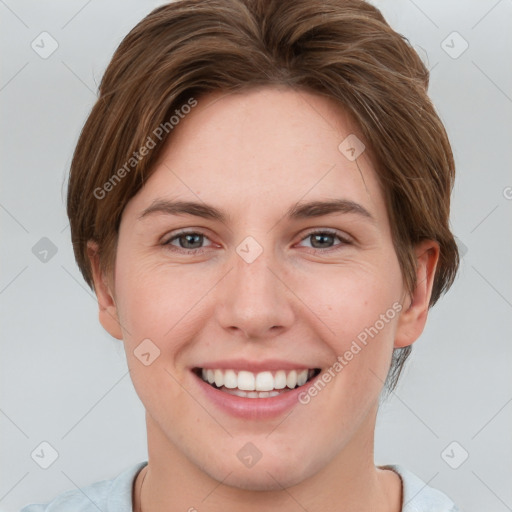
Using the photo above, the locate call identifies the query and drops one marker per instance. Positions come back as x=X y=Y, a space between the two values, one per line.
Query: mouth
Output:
x=264 y=384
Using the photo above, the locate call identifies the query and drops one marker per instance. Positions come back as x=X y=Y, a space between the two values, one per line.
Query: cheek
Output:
x=358 y=308
x=155 y=300
x=155 y=308
x=352 y=298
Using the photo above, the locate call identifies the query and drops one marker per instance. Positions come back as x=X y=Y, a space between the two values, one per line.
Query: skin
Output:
x=255 y=154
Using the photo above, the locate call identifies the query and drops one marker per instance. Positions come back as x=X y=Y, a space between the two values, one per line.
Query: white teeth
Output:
x=291 y=379
x=264 y=381
x=246 y=381
x=230 y=379
x=302 y=377
x=255 y=385
x=251 y=394
x=280 y=380
x=219 y=378
x=236 y=392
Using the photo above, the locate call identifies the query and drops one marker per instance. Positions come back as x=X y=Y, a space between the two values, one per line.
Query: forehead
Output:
x=265 y=148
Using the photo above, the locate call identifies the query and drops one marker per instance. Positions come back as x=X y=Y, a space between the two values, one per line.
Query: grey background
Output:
x=65 y=381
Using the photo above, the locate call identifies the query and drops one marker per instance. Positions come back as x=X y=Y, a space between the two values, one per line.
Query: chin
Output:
x=271 y=475
x=260 y=481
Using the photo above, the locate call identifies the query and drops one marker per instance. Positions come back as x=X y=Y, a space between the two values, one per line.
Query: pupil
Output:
x=189 y=240
x=321 y=238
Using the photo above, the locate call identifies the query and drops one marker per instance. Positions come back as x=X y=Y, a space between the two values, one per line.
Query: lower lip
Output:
x=253 y=408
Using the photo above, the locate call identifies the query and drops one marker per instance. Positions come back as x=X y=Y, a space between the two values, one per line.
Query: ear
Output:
x=414 y=315
x=107 y=307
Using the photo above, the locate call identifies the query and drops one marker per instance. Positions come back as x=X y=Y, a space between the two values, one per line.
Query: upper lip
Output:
x=254 y=366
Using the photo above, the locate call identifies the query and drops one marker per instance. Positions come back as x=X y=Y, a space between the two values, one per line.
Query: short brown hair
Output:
x=342 y=49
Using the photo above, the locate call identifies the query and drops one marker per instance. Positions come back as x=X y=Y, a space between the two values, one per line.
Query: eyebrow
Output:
x=298 y=211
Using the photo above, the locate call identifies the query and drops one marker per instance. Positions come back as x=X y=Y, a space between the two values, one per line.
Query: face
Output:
x=282 y=270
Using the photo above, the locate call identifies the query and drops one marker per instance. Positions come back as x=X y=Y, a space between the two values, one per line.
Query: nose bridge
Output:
x=254 y=300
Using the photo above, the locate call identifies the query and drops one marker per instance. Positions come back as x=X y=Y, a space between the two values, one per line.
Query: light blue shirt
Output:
x=116 y=495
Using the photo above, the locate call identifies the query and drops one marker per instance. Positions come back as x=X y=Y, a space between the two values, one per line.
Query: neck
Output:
x=349 y=482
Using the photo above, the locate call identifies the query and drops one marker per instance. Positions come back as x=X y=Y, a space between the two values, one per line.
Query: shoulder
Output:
x=107 y=495
x=417 y=496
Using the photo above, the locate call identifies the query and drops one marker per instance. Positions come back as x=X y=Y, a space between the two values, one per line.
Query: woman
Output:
x=260 y=201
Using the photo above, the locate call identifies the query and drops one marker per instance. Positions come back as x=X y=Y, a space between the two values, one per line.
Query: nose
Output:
x=254 y=301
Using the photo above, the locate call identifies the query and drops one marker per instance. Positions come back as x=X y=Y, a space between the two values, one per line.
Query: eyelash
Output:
x=201 y=250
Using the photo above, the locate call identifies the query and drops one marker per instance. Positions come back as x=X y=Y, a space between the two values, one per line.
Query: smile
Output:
x=264 y=384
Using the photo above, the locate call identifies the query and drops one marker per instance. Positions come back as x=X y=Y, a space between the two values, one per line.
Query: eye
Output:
x=187 y=242
x=191 y=242
x=324 y=239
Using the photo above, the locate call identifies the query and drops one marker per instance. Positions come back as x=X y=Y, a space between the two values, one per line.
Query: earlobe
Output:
x=108 y=315
x=414 y=315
